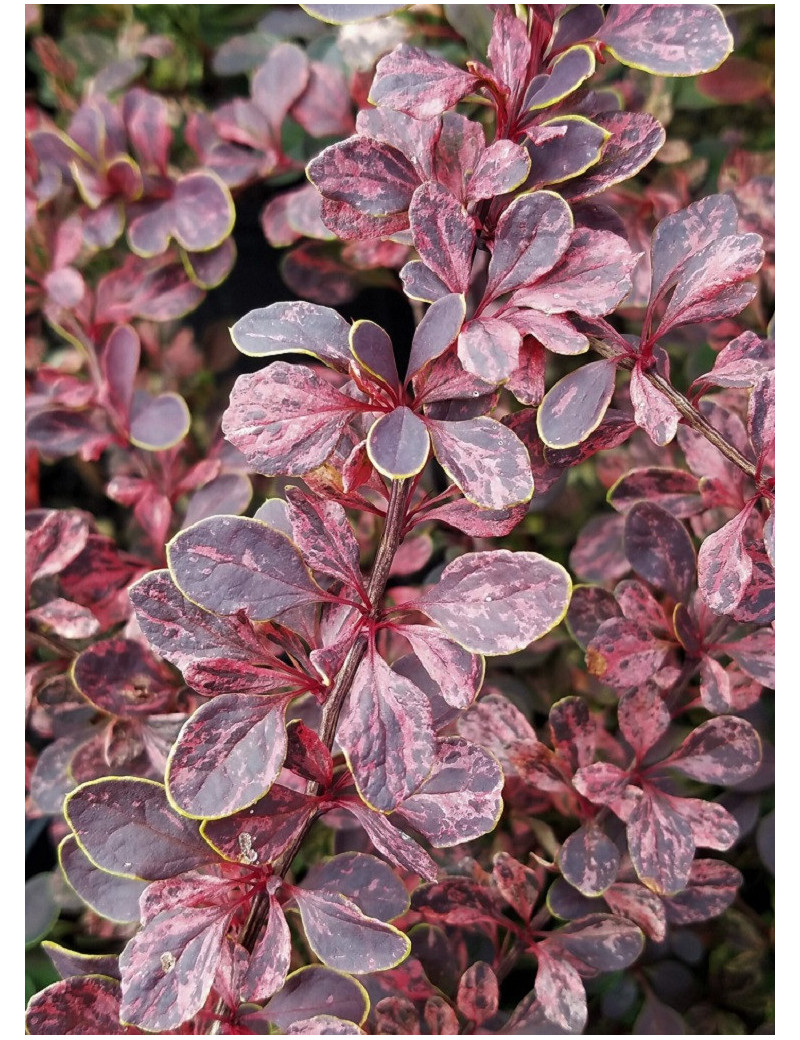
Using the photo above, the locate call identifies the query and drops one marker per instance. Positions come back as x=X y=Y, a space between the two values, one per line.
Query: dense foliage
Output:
x=407 y=681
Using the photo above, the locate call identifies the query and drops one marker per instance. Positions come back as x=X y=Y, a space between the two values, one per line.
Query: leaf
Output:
x=108 y=895
x=589 y=860
x=592 y=277
x=374 y=178
x=444 y=235
x=563 y=148
x=127 y=827
x=306 y=755
x=575 y=406
x=755 y=655
x=260 y=833
x=461 y=798
x=531 y=236
x=601 y=942
x=518 y=884
x=724 y=750
x=569 y=70
x=641 y=906
x=589 y=607
x=652 y=410
x=344 y=938
x=269 y=962
x=643 y=717
x=712 y=888
x=500 y=168
x=573 y=731
x=635 y=138
x=489 y=348
x=660 y=549
x=673 y=489
x=713 y=284
x=680 y=236
x=393 y=843
x=364 y=880
x=496 y=724
x=660 y=843
x=387 y=733
x=323 y=535
x=168 y=967
x=203 y=211
x=317 y=990
x=229 y=563
x=666 y=40
x=602 y=782
x=82 y=1005
x=372 y=349
x=724 y=568
x=559 y=990
x=437 y=330
x=227 y=756
x=182 y=632
x=418 y=83
x=295 y=327
x=457 y=673
x=121 y=677
x=70 y=964
x=478 y=993
x=498 y=602
x=398 y=444
x=713 y=827
x=285 y=419
x=485 y=459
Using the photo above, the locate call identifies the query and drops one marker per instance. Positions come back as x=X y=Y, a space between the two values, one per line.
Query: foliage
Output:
x=337 y=766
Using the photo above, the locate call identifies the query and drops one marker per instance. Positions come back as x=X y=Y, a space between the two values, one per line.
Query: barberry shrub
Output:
x=434 y=741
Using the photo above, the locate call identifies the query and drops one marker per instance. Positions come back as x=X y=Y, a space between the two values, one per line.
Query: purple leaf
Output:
x=82 y=1005
x=182 y=632
x=623 y=654
x=371 y=347
x=660 y=843
x=724 y=750
x=286 y=419
x=573 y=731
x=457 y=673
x=110 y=896
x=485 y=459
x=387 y=734
x=673 y=489
x=563 y=148
x=168 y=968
x=501 y=168
x=712 y=888
x=598 y=553
x=420 y=283
x=713 y=284
x=364 y=880
x=438 y=329
x=665 y=40
x=496 y=724
x=344 y=938
x=643 y=717
x=294 y=328
x=601 y=782
x=489 y=348
x=724 y=567
x=413 y=81
x=398 y=444
x=477 y=522
x=635 y=139
x=517 y=884
x=680 y=236
x=316 y=990
x=461 y=798
x=227 y=756
x=69 y=964
x=231 y=563
x=755 y=655
x=652 y=410
x=589 y=607
x=261 y=833
x=393 y=843
x=269 y=962
x=444 y=235
x=158 y=423
x=127 y=827
x=498 y=602
x=306 y=754
x=559 y=990
x=478 y=993
x=639 y=905
x=530 y=238
x=203 y=211
x=324 y=536
x=589 y=860
x=375 y=179
x=592 y=277
x=660 y=549
x=713 y=827
x=575 y=406
x=601 y=942
x=120 y=362
x=568 y=71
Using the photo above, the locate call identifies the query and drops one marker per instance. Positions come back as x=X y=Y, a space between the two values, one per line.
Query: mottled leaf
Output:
x=667 y=40
x=530 y=238
x=498 y=602
x=344 y=938
x=643 y=717
x=560 y=992
x=673 y=489
x=601 y=942
x=261 y=833
x=85 y=1005
x=660 y=549
x=296 y=327
x=127 y=827
x=635 y=139
x=575 y=406
x=364 y=880
x=414 y=81
x=457 y=673
x=375 y=179
x=623 y=654
x=269 y=962
x=444 y=235
x=107 y=894
x=316 y=990
x=660 y=843
x=286 y=419
x=485 y=459
x=589 y=860
x=724 y=750
x=229 y=563
x=712 y=888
